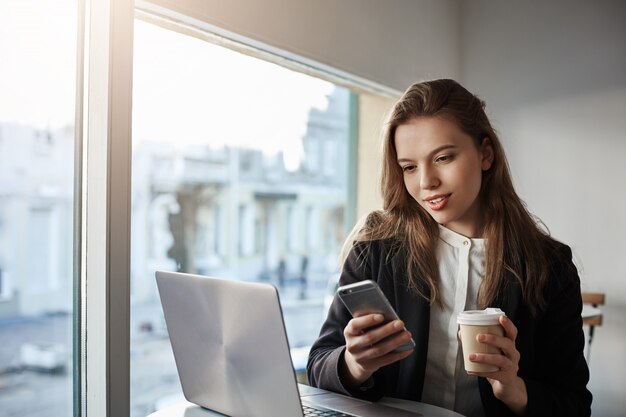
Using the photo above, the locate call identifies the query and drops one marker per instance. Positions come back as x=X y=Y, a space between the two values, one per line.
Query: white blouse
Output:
x=461 y=263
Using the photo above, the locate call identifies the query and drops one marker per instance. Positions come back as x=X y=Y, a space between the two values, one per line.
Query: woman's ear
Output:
x=486 y=152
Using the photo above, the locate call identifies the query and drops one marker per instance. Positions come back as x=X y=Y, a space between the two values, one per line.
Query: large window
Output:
x=240 y=170
x=37 y=111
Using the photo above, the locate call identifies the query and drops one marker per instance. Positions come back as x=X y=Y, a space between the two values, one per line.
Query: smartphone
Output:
x=366 y=297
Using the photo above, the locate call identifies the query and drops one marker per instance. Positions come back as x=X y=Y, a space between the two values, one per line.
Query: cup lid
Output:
x=480 y=317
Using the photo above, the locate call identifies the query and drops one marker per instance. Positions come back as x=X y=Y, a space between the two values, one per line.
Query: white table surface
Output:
x=187 y=409
x=590 y=311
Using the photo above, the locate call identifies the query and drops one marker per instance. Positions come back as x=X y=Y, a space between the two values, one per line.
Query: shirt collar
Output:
x=457 y=240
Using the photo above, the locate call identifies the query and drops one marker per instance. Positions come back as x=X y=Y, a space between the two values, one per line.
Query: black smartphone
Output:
x=366 y=297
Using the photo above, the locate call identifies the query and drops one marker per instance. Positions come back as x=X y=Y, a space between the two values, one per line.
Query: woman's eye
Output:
x=443 y=158
x=408 y=168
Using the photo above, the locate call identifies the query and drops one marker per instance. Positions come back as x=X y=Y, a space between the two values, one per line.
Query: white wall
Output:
x=553 y=75
x=554 y=78
x=391 y=43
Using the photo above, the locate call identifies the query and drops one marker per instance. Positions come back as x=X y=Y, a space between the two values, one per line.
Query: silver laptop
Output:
x=232 y=353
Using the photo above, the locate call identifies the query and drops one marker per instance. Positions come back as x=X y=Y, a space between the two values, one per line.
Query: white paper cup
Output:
x=473 y=323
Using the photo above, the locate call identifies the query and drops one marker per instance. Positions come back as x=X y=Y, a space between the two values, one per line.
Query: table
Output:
x=187 y=409
x=592 y=316
x=590 y=312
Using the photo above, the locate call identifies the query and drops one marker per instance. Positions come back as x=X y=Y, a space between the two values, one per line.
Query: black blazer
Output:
x=551 y=344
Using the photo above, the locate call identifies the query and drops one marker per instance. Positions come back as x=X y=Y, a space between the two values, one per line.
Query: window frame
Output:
x=102 y=209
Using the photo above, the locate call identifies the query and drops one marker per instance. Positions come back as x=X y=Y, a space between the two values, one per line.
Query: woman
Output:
x=452 y=236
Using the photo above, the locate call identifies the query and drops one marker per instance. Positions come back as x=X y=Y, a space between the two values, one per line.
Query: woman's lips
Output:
x=437 y=202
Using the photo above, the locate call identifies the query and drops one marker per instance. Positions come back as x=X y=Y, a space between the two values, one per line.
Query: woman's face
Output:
x=442 y=170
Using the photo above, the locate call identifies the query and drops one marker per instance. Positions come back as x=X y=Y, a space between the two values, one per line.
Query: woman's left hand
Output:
x=507 y=386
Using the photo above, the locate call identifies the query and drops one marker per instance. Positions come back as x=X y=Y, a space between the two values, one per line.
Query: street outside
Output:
x=28 y=392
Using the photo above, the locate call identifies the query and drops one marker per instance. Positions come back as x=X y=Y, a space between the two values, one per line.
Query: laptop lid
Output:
x=229 y=344
x=232 y=353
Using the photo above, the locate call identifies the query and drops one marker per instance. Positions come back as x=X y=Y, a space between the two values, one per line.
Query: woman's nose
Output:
x=428 y=179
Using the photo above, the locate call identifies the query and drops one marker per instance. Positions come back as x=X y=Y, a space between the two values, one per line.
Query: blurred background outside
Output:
x=240 y=170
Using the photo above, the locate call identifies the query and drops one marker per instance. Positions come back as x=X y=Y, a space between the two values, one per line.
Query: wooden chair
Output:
x=593 y=299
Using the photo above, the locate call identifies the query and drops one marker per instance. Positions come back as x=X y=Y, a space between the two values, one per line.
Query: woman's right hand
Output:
x=368 y=349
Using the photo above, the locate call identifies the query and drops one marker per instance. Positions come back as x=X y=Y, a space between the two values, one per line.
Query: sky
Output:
x=37 y=62
x=186 y=91
x=193 y=92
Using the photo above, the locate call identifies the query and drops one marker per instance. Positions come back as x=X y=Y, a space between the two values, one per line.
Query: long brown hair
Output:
x=514 y=240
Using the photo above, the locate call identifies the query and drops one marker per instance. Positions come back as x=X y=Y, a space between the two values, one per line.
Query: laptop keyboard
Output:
x=315 y=412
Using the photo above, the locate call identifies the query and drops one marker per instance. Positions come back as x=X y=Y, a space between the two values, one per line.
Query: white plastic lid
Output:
x=487 y=316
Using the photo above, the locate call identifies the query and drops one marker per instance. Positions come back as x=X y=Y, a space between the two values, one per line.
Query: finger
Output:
x=376 y=343
x=501 y=376
x=505 y=344
x=377 y=334
x=389 y=344
x=506 y=367
x=510 y=330
x=382 y=354
x=499 y=361
x=390 y=358
x=358 y=324
x=368 y=338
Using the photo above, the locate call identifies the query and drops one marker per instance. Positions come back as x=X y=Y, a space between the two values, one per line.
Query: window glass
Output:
x=37 y=108
x=230 y=179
